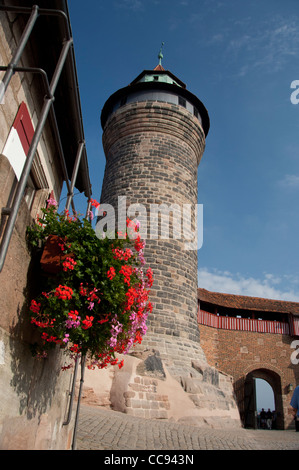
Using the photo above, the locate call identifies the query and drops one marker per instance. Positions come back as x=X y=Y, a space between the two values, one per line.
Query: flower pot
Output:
x=52 y=257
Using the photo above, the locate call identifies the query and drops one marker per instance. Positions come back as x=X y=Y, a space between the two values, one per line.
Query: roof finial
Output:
x=160 y=55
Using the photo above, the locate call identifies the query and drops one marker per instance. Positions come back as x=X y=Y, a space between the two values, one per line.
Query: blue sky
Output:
x=239 y=57
x=264 y=395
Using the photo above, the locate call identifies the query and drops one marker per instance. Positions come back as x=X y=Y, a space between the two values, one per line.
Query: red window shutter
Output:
x=24 y=127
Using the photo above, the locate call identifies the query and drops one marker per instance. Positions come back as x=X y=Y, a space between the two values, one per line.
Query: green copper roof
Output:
x=158 y=77
x=159 y=74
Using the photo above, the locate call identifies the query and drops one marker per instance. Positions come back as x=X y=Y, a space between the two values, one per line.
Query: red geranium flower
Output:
x=111 y=273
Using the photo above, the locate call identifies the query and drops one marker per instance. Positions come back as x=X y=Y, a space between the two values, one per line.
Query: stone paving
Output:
x=102 y=429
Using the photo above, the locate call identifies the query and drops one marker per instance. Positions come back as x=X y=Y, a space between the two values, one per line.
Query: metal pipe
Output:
x=65 y=17
x=41 y=11
x=74 y=175
x=61 y=61
x=35 y=13
x=29 y=160
x=72 y=395
x=62 y=159
x=23 y=181
x=78 y=403
x=53 y=117
x=17 y=55
x=87 y=215
x=32 y=70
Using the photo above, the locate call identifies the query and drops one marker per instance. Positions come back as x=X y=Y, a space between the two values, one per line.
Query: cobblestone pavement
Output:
x=102 y=429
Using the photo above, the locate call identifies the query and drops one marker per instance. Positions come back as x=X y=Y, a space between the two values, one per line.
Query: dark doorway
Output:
x=251 y=401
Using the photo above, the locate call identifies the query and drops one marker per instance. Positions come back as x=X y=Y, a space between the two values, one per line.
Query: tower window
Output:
x=195 y=112
x=123 y=101
x=182 y=101
x=156 y=78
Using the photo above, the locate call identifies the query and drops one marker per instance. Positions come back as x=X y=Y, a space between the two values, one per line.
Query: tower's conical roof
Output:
x=159 y=68
x=157 y=79
x=159 y=74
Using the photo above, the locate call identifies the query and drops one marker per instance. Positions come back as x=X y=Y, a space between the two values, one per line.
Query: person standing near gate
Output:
x=295 y=407
x=263 y=418
x=269 y=417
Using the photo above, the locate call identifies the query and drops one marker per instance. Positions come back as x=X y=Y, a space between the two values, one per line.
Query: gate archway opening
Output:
x=264 y=395
x=265 y=400
x=251 y=400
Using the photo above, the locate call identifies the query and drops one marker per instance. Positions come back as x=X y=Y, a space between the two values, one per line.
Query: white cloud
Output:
x=290 y=181
x=270 y=287
x=134 y=5
x=264 y=45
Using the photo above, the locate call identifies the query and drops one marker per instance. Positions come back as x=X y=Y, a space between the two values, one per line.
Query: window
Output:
x=29 y=192
x=182 y=101
x=16 y=150
x=19 y=139
x=123 y=101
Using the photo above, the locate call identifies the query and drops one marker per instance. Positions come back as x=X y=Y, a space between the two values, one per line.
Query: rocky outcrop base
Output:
x=145 y=388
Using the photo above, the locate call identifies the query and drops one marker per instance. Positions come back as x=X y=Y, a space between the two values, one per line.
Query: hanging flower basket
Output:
x=97 y=303
x=53 y=256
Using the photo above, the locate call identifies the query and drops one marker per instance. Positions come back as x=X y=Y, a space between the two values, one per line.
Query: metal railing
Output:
x=243 y=324
x=47 y=108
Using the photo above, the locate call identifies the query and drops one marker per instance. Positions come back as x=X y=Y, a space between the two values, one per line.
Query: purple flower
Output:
x=66 y=338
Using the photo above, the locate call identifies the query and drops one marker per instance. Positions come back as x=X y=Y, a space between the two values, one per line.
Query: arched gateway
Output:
x=246 y=396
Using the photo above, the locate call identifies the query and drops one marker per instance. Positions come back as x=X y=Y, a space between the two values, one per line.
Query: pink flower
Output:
x=52 y=202
x=66 y=338
x=90 y=215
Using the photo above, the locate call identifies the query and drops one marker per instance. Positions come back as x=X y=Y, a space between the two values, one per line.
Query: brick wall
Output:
x=266 y=355
x=142 y=399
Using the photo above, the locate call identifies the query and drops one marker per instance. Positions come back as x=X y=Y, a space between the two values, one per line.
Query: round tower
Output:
x=154 y=134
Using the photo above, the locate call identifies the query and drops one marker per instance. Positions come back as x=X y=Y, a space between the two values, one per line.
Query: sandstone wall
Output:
x=33 y=394
x=145 y=388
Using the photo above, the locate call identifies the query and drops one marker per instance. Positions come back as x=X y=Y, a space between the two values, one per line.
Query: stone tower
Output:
x=154 y=133
x=154 y=138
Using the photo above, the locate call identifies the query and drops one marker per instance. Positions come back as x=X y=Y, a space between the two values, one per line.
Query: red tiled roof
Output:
x=159 y=67
x=247 y=303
